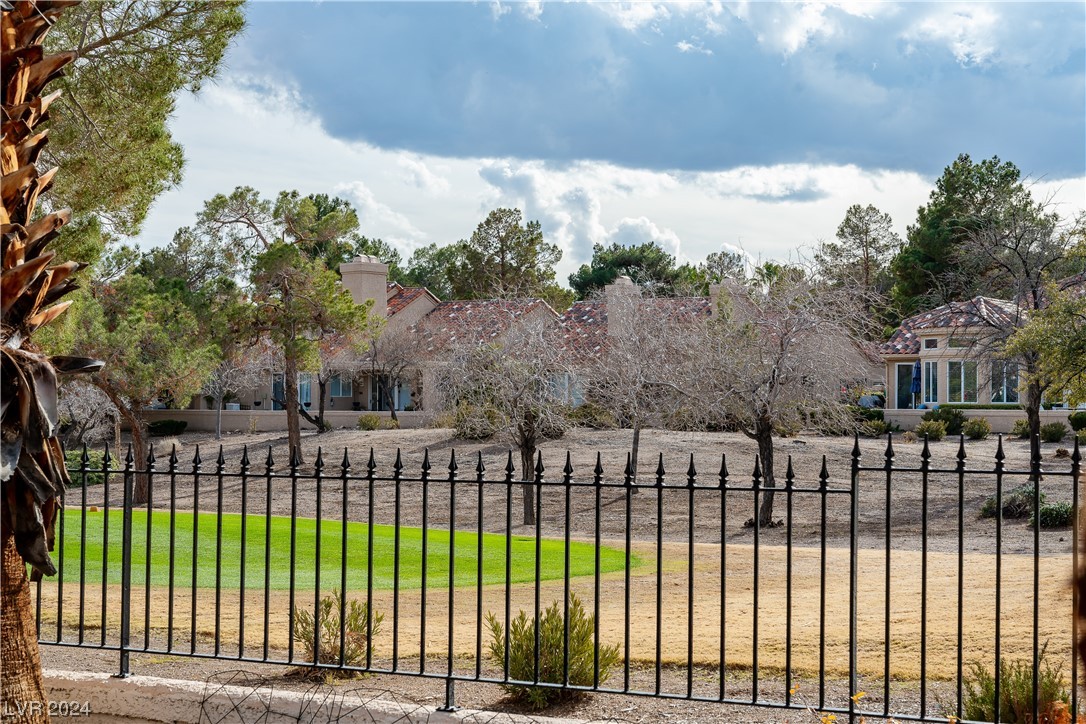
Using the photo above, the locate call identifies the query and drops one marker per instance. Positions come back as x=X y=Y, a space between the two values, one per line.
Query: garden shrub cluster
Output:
x=1053 y=432
x=977 y=428
x=1054 y=515
x=73 y=459
x=162 y=428
x=1081 y=437
x=1020 y=429
x=932 y=429
x=951 y=417
x=522 y=635
x=373 y=421
x=1017 y=503
x=474 y=422
x=875 y=428
x=592 y=416
x=356 y=616
x=1077 y=420
x=1015 y=703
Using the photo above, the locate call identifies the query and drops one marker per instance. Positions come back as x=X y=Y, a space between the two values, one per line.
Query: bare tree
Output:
x=523 y=378
x=392 y=351
x=775 y=358
x=86 y=414
x=236 y=372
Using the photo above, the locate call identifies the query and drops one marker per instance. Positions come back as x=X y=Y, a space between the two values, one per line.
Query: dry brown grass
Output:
x=978 y=629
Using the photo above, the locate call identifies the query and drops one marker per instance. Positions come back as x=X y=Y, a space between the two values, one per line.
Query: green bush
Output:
x=1077 y=420
x=977 y=428
x=866 y=414
x=951 y=417
x=1055 y=515
x=163 y=428
x=1020 y=429
x=933 y=429
x=356 y=637
x=74 y=458
x=387 y=423
x=1016 y=692
x=522 y=632
x=1081 y=437
x=473 y=422
x=592 y=416
x=875 y=428
x=369 y=421
x=1017 y=503
x=1053 y=432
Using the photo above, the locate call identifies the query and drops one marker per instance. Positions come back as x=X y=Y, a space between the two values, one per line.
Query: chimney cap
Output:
x=367 y=259
x=623 y=280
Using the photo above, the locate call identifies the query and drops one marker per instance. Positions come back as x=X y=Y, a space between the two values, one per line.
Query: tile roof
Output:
x=978 y=311
x=474 y=320
x=584 y=325
x=399 y=301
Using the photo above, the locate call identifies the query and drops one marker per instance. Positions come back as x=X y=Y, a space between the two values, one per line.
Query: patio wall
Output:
x=1001 y=420
x=273 y=420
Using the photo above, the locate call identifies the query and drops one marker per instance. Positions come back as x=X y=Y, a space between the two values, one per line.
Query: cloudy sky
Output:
x=699 y=125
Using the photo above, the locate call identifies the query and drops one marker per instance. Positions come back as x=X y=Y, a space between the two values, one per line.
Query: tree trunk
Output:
x=1033 y=416
x=290 y=392
x=634 y=448
x=383 y=390
x=22 y=692
x=322 y=387
x=527 y=472
x=763 y=433
x=218 y=416
x=138 y=427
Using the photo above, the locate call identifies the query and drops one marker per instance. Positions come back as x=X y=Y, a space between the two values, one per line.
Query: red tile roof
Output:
x=585 y=323
x=977 y=312
x=399 y=301
x=474 y=321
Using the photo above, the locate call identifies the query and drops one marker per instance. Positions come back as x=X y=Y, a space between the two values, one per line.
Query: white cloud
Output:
x=969 y=31
x=640 y=230
x=531 y=9
x=685 y=46
x=636 y=15
x=497 y=9
x=372 y=211
x=419 y=175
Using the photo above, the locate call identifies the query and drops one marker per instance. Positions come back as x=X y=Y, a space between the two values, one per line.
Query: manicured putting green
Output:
x=551 y=563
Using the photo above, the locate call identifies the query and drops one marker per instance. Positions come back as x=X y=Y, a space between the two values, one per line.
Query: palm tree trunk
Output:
x=22 y=692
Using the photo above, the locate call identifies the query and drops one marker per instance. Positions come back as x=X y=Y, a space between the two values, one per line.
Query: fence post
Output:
x=854 y=497
x=126 y=567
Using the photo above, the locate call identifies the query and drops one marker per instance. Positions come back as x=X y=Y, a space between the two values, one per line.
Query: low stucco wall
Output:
x=151 y=699
x=273 y=420
x=1000 y=420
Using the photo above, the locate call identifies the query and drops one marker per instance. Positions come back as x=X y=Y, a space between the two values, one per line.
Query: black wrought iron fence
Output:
x=875 y=593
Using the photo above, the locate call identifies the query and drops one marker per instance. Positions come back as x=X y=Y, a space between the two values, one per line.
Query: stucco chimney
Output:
x=366 y=277
x=622 y=296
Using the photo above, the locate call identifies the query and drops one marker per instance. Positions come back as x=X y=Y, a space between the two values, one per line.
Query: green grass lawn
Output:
x=552 y=559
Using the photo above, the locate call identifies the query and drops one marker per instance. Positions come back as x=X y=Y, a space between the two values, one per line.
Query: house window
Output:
x=931 y=382
x=931 y=343
x=961 y=381
x=961 y=342
x=305 y=388
x=341 y=386
x=1004 y=381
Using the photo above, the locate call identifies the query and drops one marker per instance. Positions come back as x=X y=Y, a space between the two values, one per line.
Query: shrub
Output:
x=875 y=428
x=1016 y=692
x=355 y=640
x=592 y=416
x=1081 y=437
x=1020 y=429
x=472 y=422
x=1017 y=503
x=387 y=423
x=443 y=420
x=976 y=428
x=1077 y=420
x=866 y=414
x=909 y=437
x=1055 y=515
x=522 y=631
x=369 y=421
x=74 y=458
x=1053 y=432
x=161 y=428
x=934 y=429
x=951 y=417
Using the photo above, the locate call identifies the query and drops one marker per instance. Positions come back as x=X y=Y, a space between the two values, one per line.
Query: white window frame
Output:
x=1007 y=365
x=341 y=386
x=931 y=343
x=961 y=376
x=931 y=382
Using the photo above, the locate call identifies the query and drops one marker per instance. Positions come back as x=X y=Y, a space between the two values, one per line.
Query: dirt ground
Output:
x=711 y=521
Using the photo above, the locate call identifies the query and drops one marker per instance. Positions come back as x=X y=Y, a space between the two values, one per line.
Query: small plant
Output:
x=933 y=429
x=1053 y=432
x=390 y=424
x=875 y=428
x=1020 y=429
x=74 y=458
x=1017 y=503
x=369 y=421
x=1077 y=420
x=522 y=634
x=1081 y=437
x=592 y=416
x=909 y=437
x=951 y=417
x=1015 y=703
x=473 y=422
x=1054 y=515
x=355 y=639
x=977 y=428
x=162 y=428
